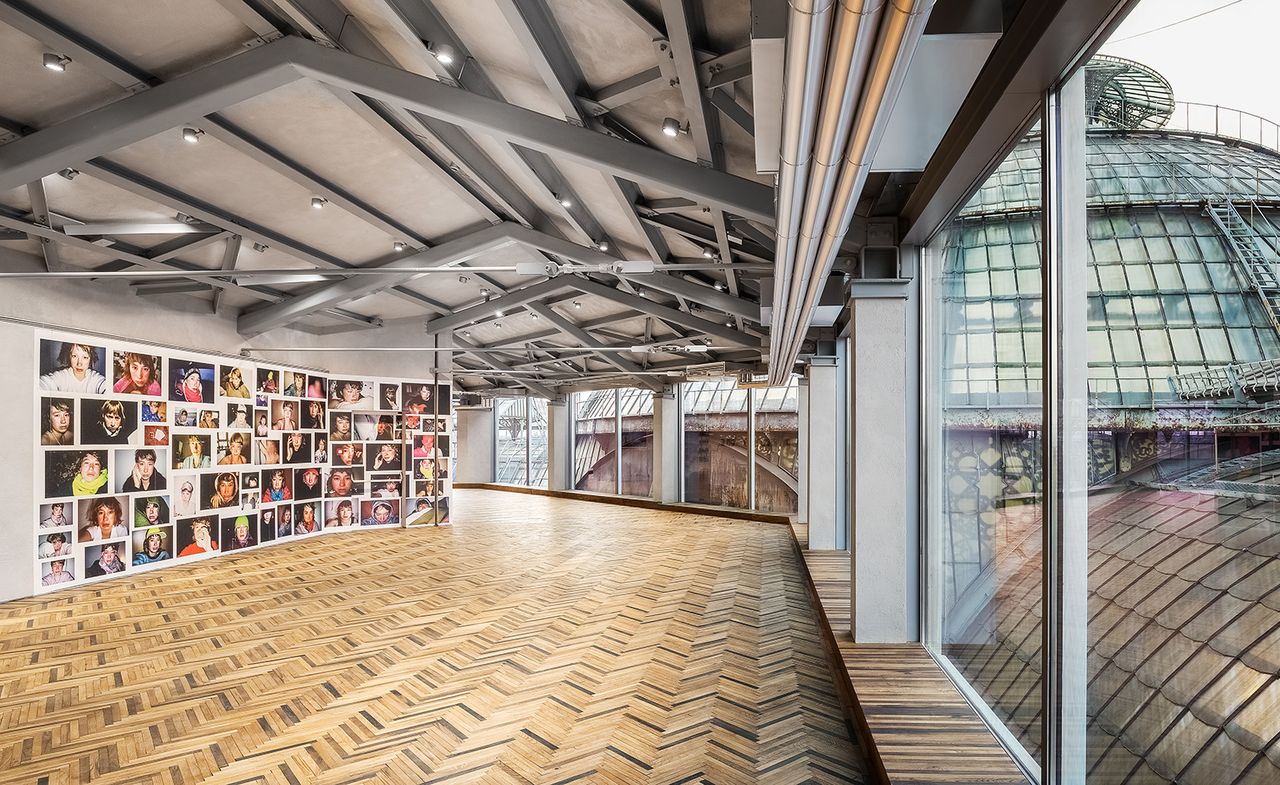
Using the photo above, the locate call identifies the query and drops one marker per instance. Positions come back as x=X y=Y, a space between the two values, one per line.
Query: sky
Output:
x=1226 y=58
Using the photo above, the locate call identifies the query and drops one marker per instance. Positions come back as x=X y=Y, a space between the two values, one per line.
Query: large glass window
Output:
x=512 y=421
x=595 y=443
x=777 y=448
x=636 y=409
x=538 y=442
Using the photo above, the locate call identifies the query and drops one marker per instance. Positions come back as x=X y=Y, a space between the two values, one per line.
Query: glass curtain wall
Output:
x=537 y=442
x=636 y=409
x=1174 y=454
x=595 y=441
x=777 y=448
x=511 y=418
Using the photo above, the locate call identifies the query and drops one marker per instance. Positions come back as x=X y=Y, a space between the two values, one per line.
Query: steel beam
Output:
x=496 y=364
x=49 y=31
x=274 y=65
x=112 y=228
x=512 y=300
x=702 y=295
x=230 y=254
x=663 y=312
x=40 y=211
x=587 y=339
x=167 y=250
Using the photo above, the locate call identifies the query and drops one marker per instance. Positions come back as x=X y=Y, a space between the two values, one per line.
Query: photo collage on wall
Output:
x=147 y=457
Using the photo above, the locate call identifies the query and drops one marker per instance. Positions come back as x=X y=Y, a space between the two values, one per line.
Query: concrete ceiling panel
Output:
x=34 y=95
x=607 y=46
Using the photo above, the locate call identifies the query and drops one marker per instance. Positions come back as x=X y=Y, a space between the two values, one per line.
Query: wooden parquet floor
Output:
x=924 y=731
x=538 y=640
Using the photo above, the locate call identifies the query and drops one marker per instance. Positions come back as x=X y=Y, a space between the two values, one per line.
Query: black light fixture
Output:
x=69 y=173
x=56 y=62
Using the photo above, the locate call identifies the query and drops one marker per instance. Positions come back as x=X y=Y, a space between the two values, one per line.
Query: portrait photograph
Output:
x=269 y=380
x=185 y=416
x=239 y=417
x=233 y=448
x=313 y=415
x=191 y=451
x=384 y=457
x=284 y=521
x=424 y=468
x=293 y=383
x=239 y=532
x=197 y=535
x=155 y=435
x=266 y=452
x=425 y=488
x=249 y=500
x=277 y=485
x=54 y=544
x=442 y=469
x=105 y=559
x=380 y=512
x=389 y=397
x=152 y=544
x=150 y=511
x=306 y=518
x=232 y=382
x=422 y=512
x=347 y=454
x=343 y=481
x=307 y=483
x=102 y=518
x=207 y=419
x=427 y=445
x=76 y=473
x=108 y=422
x=349 y=394
x=284 y=415
x=418 y=398
x=57 y=515
x=340 y=427
x=57 y=422
x=70 y=367
x=385 y=486
x=340 y=514
x=191 y=381
x=185 y=500
x=57 y=571
x=154 y=411
x=267 y=524
x=295 y=447
x=136 y=374
x=139 y=470
x=316 y=387
x=220 y=491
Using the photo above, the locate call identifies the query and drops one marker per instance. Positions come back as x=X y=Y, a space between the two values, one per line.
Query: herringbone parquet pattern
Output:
x=537 y=641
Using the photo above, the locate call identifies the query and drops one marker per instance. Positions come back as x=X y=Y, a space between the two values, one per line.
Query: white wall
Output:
x=110 y=308
x=474 y=445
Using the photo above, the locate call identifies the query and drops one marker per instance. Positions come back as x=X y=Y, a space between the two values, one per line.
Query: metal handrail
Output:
x=1224 y=122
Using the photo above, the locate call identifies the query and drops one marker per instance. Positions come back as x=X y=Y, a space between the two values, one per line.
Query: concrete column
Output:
x=475 y=444
x=825 y=453
x=666 y=446
x=883 y=553
x=559 y=445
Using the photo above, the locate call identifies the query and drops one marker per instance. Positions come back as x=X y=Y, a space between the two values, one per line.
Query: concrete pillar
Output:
x=666 y=446
x=559 y=445
x=475 y=444
x=825 y=454
x=883 y=477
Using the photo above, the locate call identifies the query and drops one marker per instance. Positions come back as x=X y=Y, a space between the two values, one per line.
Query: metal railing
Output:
x=1225 y=123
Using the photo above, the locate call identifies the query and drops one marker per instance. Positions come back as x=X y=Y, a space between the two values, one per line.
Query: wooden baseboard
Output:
x=635 y=501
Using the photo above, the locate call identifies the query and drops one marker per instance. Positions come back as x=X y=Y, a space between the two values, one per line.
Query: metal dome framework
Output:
x=1127 y=95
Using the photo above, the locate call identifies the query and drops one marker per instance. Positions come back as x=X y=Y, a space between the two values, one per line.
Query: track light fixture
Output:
x=602 y=245
x=577 y=304
x=671 y=127
x=56 y=62
x=707 y=253
x=443 y=53
x=719 y=286
x=564 y=201
x=259 y=247
x=318 y=201
x=463 y=279
x=70 y=173
x=399 y=246
x=191 y=135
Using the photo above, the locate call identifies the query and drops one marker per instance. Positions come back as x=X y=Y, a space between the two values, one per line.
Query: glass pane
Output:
x=637 y=442
x=716 y=443
x=513 y=428
x=538 y=442
x=777 y=449
x=988 y=526
x=595 y=441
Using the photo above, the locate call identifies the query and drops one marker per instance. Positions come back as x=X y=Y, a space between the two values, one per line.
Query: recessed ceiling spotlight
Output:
x=564 y=201
x=602 y=245
x=671 y=127
x=191 y=135
x=399 y=246
x=70 y=173
x=318 y=201
x=499 y=313
x=56 y=62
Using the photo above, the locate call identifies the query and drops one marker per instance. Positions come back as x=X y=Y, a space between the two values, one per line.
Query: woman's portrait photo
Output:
x=151 y=544
x=136 y=471
x=295 y=447
x=57 y=421
x=108 y=422
x=239 y=417
x=339 y=514
x=307 y=483
x=382 y=512
x=102 y=518
x=104 y=559
x=418 y=398
x=75 y=473
x=277 y=485
x=136 y=374
x=150 y=511
x=266 y=452
x=385 y=487
x=220 y=491
x=208 y=419
x=191 y=451
x=267 y=524
x=348 y=394
x=233 y=449
x=284 y=521
x=239 y=532
x=344 y=482
x=384 y=457
x=73 y=368
x=424 y=468
x=231 y=382
x=196 y=536
x=348 y=454
x=57 y=571
x=316 y=385
x=190 y=381
x=389 y=397
x=293 y=383
x=284 y=416
x=321 y=452
x=184 y=501
x=57 y=515
x=306 y=518
x=154 y=411
x=340 y=427
x=313 y=418
x=250 y=500
x=54 y=544
x=268 y=380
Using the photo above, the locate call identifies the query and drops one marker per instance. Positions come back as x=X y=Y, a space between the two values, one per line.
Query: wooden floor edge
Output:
x=635 y=501
x=854 y=715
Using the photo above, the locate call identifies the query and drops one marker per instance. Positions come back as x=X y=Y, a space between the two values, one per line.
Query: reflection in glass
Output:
x=595 y=441
x=512 y=422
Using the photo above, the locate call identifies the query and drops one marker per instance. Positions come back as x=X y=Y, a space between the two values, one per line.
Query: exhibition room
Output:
x=640 y=391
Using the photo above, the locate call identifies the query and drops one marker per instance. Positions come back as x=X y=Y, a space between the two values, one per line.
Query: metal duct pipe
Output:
x=846 y=68
x=900 y=31
x=808 y=34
